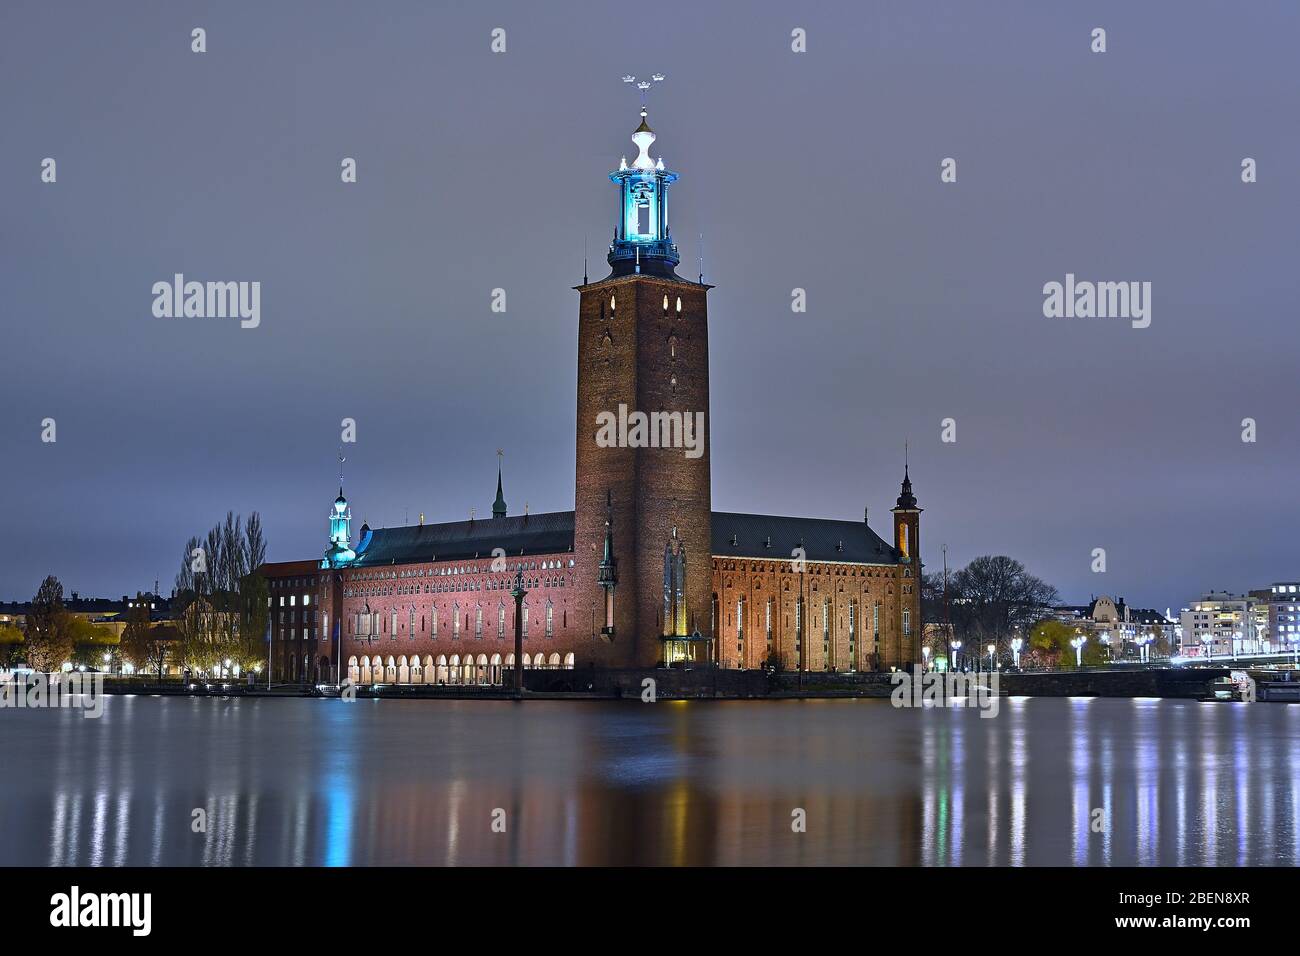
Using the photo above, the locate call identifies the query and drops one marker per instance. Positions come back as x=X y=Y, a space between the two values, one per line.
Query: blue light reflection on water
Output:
x=417 y=782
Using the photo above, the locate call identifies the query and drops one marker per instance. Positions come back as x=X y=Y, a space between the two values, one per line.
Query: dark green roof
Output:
x=756 y=536
x=775 y=537
x=522 y=534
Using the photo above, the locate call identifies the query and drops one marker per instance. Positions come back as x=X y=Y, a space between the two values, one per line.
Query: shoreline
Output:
x=1158 y=683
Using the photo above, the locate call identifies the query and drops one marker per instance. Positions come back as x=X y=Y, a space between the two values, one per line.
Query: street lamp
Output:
x=1077 y=643
x=991 y=648
x=925 y=658
x=956 y=646
x=519 y=593
x=1016 y=644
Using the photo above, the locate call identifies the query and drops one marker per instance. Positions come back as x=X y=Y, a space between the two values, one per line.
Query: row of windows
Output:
x=452 y=587
x=368 y=623
x=547 y=565
x=278 y=583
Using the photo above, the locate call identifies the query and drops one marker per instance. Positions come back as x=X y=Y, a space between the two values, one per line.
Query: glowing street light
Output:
x=956 y=646
x=1077 y=643
x=925 y=656
x=991 y=649
x=1144 y=648
x=1016 y=644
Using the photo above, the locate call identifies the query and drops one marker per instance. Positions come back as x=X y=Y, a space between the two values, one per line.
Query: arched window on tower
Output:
x=740 y=632
x=826 y=633
x=667 y=626
x=853 y=633
x=798 y=622
x=680 y=583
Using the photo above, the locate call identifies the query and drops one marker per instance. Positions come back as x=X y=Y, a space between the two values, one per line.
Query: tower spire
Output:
x=340 y=550
x=642 y=242
x=905 y=498
x=499 y=506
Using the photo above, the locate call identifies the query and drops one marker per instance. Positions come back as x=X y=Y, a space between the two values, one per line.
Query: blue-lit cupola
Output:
x=642 y=242
x=340 y=551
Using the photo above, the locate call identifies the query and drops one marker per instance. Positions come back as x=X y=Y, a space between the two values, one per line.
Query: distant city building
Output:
x=1116 y=625
x=1222 y=624
x=108 y=613
x=1283 y=606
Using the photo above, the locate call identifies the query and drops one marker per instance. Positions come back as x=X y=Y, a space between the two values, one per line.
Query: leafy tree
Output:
x=139 y=643
x=48 y=641
x=1049 y=644
x=90 y=642
x=254 y=613
x=11 y=645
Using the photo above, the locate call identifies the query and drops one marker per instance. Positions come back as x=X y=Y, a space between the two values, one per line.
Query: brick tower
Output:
x=643 y=435
x=906 y=648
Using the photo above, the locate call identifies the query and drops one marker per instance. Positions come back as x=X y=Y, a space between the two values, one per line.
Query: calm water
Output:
x=323 y=782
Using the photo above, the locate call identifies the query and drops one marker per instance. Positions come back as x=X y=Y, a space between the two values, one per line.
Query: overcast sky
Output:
x=816 y=170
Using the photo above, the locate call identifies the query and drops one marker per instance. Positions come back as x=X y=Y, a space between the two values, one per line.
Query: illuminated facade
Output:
x=643 y=572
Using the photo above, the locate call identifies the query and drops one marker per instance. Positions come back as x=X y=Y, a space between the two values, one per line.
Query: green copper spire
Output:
x=499 y=506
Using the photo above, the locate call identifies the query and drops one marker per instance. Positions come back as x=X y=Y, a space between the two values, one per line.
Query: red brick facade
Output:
x=433 y=603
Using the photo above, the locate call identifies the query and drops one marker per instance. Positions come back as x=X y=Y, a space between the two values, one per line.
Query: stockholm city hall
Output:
x=643 y=572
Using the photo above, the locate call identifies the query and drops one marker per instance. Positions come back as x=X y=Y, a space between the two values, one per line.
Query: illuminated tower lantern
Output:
x=340 y=551
x=641 y=237
x=643 y=347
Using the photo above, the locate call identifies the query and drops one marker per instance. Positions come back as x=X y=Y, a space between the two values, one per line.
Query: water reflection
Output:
x=323 y=783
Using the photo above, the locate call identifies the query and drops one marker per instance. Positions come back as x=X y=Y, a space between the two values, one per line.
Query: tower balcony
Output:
x=657 y=257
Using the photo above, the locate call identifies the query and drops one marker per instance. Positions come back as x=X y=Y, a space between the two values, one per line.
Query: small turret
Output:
x=499 y=506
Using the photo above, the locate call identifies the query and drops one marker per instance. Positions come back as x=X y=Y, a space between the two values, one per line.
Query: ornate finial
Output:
x=644 y=135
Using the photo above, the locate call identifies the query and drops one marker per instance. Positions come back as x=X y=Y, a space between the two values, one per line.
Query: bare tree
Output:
x=994 y=597
x=254 y=543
